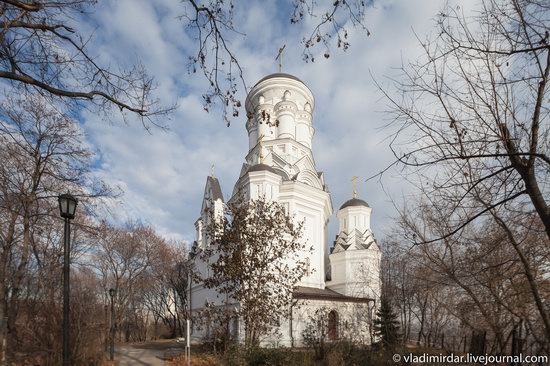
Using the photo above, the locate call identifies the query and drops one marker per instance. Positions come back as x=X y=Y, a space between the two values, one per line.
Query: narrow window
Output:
x=333 y=325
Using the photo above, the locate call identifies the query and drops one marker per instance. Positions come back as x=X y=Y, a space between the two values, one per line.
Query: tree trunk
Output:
x=7 y=244
x=533 y=190
x=530 y=277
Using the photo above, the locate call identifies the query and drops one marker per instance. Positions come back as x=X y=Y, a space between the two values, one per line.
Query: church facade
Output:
x=344 y=282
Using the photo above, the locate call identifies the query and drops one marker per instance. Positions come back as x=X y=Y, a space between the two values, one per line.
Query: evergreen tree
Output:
x=386 y=325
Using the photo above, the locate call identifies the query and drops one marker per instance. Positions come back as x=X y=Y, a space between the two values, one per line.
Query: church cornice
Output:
x=272 y=142
x=307 y=193
x=282 y=83
x=311 y=293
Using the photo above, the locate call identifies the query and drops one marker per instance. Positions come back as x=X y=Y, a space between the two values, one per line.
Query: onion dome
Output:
x=354 y=202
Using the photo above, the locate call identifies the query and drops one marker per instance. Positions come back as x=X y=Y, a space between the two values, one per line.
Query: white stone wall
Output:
x=309 y=204
x=354 y=217
x=356 y=273
x=354 y=322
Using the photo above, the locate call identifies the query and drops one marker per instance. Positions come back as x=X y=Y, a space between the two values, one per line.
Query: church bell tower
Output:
x=280 y=166
x=279 y=110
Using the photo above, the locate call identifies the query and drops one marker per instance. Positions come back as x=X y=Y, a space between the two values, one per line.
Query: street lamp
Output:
x=112 y=293
x=188 y=321
x=67 y=209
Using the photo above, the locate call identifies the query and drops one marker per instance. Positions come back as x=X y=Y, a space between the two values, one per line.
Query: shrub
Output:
x=315 y=334
x=257 y=356
x=197 y=360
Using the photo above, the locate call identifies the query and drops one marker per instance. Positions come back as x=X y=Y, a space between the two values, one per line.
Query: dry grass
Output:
x=196 y=360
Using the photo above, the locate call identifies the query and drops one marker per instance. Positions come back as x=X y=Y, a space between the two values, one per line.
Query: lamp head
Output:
x=67 y=205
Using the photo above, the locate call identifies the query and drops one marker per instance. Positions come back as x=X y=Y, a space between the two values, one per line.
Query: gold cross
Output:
x=354 y=180
x=280 y=58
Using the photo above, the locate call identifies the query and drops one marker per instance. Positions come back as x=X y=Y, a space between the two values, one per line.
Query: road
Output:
x=147 y=353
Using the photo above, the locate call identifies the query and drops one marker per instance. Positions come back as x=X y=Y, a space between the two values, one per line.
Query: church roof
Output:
x=279 y=75
x=260 y=167
x=354 y=240
x=215 y=187
x=354 y=202
x=302 y=292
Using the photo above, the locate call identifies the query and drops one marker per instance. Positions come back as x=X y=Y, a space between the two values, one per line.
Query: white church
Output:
x=345 y=280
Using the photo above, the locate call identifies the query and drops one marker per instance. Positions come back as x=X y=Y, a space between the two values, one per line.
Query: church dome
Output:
x=354 y=202
x=279 y=75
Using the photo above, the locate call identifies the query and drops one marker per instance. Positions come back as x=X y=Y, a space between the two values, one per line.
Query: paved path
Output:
x=147 y=353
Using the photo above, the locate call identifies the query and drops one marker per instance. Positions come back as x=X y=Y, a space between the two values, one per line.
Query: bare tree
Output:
x=473 y=114
x=316 y=332
x=213 y=25
x=473 y=128
x=484 y=283
x=165 y=293
x=42 y=154
x=137 y=263
x=37 y=336
x=43 y=51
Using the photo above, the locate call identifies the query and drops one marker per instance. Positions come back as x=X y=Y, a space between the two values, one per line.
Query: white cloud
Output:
x=164 y=172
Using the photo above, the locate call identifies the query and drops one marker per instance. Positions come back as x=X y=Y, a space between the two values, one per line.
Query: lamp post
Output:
x=112 y=293
x=188 y=322
x=67 y=209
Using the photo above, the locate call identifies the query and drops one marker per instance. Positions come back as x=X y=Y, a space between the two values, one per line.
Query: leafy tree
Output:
x=386 y=325
x=256 y=260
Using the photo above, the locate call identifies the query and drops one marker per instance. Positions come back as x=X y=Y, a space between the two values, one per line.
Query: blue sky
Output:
x=163 y=172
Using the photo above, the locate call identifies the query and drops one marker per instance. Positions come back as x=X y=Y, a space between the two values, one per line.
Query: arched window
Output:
x=333 y=325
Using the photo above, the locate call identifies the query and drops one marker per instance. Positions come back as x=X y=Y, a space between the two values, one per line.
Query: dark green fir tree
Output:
x=386 y=325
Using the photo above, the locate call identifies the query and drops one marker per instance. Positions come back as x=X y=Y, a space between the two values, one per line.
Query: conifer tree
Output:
x=386 y=325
